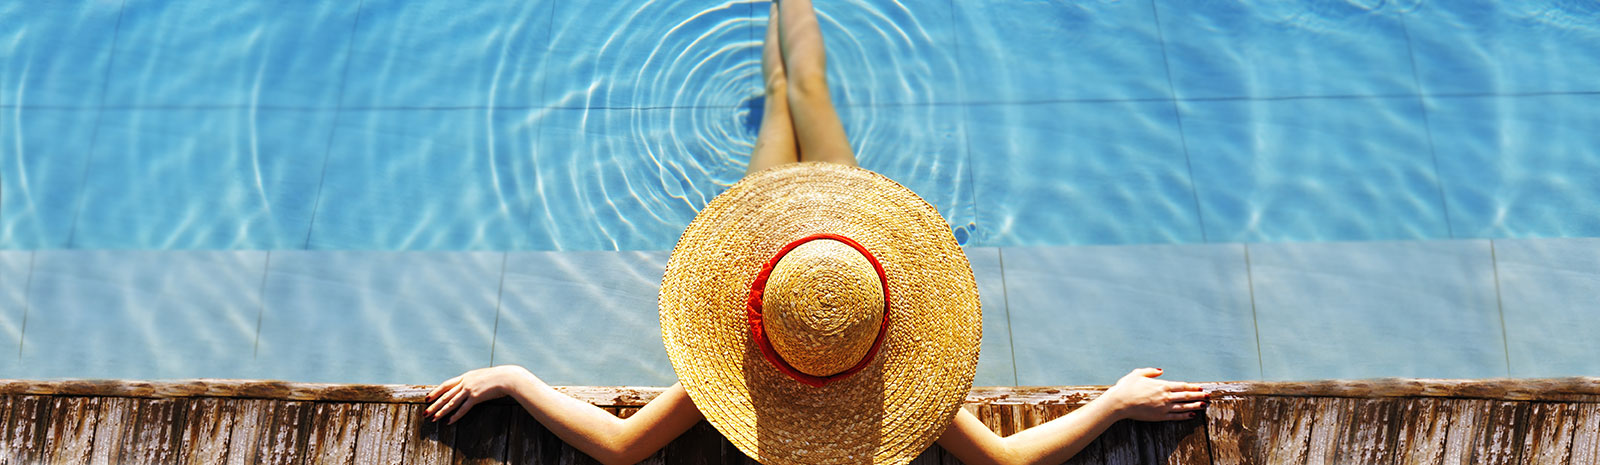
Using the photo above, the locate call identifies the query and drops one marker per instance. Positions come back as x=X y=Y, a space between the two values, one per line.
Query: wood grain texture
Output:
x=1578 y=389
x=110 y=428
x=432 y=442
x=384 y=432
x=1372 y=432
x=69 y=438
x=1234 y=430
x=25 y=429
x=283 y=440
x=1283 y=431
x=1423 y=426
x=1485 y=432
x=252 y=419
x=1548 y=439
x=480 y=437
x=208 y=430
x=333 y=433
x=155 y=434
x=1330 y=418
x=1586 y=434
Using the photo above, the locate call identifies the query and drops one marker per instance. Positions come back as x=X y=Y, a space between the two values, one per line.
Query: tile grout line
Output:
x=27 y=304
x=261 y=308
x=1250 y=282
x=538 y=129
x=966 y=142
x=499 y=296
x=94 y=134
x=956 y=103
x=1499 y=304
x=1177 y=117
x=1005 y=299
x=1427 y=128
x=333 y=130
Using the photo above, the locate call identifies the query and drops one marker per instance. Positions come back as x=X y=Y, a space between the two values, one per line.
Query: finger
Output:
x=461 y=412
x=439 y=405
x=1188 y=406
x=452 y=400
x=1186 y=396
x=442 y=387
x=1148 y=372
x=1179 y=416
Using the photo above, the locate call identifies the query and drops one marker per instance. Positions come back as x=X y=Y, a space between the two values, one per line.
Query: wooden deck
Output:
x=1361 y=422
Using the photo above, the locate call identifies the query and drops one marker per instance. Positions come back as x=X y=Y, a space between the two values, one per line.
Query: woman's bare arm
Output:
x=1136 y=396
x=596 y=432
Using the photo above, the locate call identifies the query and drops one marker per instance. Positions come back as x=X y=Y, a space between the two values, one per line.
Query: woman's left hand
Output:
x=1140 y=396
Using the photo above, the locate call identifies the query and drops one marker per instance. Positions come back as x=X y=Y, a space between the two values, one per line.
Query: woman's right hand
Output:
x=1140 y=396
x=459 y=394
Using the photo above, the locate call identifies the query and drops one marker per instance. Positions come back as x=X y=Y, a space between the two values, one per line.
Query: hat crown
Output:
x=823 y=305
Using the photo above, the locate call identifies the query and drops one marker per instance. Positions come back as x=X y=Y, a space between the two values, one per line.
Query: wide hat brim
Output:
x=890 y=411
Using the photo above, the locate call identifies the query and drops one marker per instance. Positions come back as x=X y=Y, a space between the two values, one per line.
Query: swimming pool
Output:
x=239 y=132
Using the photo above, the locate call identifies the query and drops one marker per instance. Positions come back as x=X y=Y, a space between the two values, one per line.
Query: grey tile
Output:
x=1088 y=315
x=584 y=318
x=1547 y=291
x=1519 y=166
x=377 y=317
x=995 y=361
x=1422 y=309
x=13 y=304
x=1323 y=170
x=142 y=314
x=1081 y=173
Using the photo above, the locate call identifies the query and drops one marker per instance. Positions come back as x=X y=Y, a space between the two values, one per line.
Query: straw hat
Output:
x=819 y=313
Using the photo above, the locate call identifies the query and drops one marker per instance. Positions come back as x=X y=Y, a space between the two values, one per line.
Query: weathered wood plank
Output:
x=1330 y=420
x=69 y=439
x=433 y=442
x=207 y=432
x=1580 y=389
x=1424 y=424
x=109 y=431
x=26 y=430
x=333 y=433
x=253 y=418
x=154 y=433
x=1117 y=444
x=529 y=442
x=480 y=435
x=1233 y=426
x=1176 y=443
x=384 y=432
x=1285 y=431
x=5 y=422
x=1548 y=439
x=284 y=439
x=1586 y=434
x=1371 y=433
x=1485 y=432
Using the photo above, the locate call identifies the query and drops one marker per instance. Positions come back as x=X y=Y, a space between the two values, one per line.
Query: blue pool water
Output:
x=526 y=126
x=392 y=191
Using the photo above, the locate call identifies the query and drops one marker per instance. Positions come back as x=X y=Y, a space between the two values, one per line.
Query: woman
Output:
x=857 y=337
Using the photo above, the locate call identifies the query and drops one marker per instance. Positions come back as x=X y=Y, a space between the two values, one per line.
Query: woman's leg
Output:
x=816 y=124
x=775 y=142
